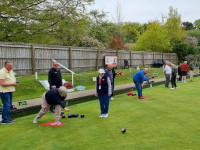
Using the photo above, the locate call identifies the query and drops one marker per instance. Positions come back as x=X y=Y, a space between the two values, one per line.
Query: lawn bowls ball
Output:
x=123 y=130
x=69 y=115
x=75 y=115
x=82 y=115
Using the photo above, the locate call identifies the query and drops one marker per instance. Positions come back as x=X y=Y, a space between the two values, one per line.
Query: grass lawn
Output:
x=30 y=88
x=169 y=120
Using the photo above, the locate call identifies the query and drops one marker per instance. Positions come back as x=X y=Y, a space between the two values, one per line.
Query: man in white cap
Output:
x=103 y=90
x=53 y=97
x=138 y=79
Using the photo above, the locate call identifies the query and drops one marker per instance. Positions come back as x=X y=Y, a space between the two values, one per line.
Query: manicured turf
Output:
x=169 y=120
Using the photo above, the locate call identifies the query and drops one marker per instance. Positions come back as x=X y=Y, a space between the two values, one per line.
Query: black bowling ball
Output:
x=75 y=115
x=123 y=130
x=70 y=115
x=82 y=115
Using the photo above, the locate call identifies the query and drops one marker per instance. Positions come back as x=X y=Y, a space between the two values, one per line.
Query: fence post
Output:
x=70 y=58
x=130 y=58
x=143 y=58
x=33 y=58
x=97 y=60
x=153 y=57
x=177 y=59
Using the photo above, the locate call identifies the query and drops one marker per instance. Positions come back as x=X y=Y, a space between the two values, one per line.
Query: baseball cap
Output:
x=101 y=71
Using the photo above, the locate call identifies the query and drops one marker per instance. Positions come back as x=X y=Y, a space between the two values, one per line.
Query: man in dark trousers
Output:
x=113 y=85
x=173 y=78
x=54 y=78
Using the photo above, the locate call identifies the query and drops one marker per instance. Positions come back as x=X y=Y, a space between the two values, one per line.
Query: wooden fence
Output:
x=28 y=59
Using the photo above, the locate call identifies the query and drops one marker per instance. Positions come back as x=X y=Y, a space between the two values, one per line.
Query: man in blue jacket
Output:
x=138 y=79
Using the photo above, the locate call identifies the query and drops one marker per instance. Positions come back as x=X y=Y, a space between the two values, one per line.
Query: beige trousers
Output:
x=46 y=107
x=191 y=75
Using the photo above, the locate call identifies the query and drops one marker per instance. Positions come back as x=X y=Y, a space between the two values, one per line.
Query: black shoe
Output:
x=13 y=120
x=7 y=122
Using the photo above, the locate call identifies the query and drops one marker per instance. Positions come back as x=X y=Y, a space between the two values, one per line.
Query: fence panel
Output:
x=28 y=59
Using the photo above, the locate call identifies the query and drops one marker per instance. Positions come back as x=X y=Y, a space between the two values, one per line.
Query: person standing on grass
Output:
x=184 y=71
x=109 y=73
x=179 y=73
x=191 y=66
x=55 y=97
x=167 y=72
x=138 y=79
x=173 y=78
x=54 y=78
x=7 y=87
x=103 y=90
x=114 y=74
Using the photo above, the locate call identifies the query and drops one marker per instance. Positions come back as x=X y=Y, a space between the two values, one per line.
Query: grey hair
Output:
x=62 y=91
x=146 y=69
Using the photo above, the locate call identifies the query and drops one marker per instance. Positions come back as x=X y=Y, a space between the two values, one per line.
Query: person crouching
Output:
x=53 y=97
x=103 y=90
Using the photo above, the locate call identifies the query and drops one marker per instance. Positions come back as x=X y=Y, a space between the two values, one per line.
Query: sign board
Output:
x=111 y=60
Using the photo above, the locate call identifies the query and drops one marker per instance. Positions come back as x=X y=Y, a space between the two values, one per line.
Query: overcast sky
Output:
x=143 y=11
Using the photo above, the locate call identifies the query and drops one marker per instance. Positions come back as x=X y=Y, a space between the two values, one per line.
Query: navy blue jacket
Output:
x=53 y=98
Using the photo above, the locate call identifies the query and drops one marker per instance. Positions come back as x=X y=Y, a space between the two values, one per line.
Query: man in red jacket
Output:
x=184 y=71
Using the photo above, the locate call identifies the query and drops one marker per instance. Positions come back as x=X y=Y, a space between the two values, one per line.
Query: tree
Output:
x=197 y=24
x=43 y=21
x=194 y=33
x=173 y=26
x=131 y=32
x=119 y=18
x=155 y=38
x=181 y=49
x=115 y=43
x=188 y=25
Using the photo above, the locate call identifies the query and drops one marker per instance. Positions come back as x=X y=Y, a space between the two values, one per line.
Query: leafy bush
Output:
x=116 y=43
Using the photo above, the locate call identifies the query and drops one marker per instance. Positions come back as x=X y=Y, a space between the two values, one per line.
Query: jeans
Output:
x=138 y=87
x=6 y=99
x=104 y=103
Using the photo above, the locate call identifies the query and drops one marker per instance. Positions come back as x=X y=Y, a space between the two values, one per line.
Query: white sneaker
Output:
x=35 y=120
x=112 y=98
x=56 y=123
x=105 y=115
x=101 y=116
